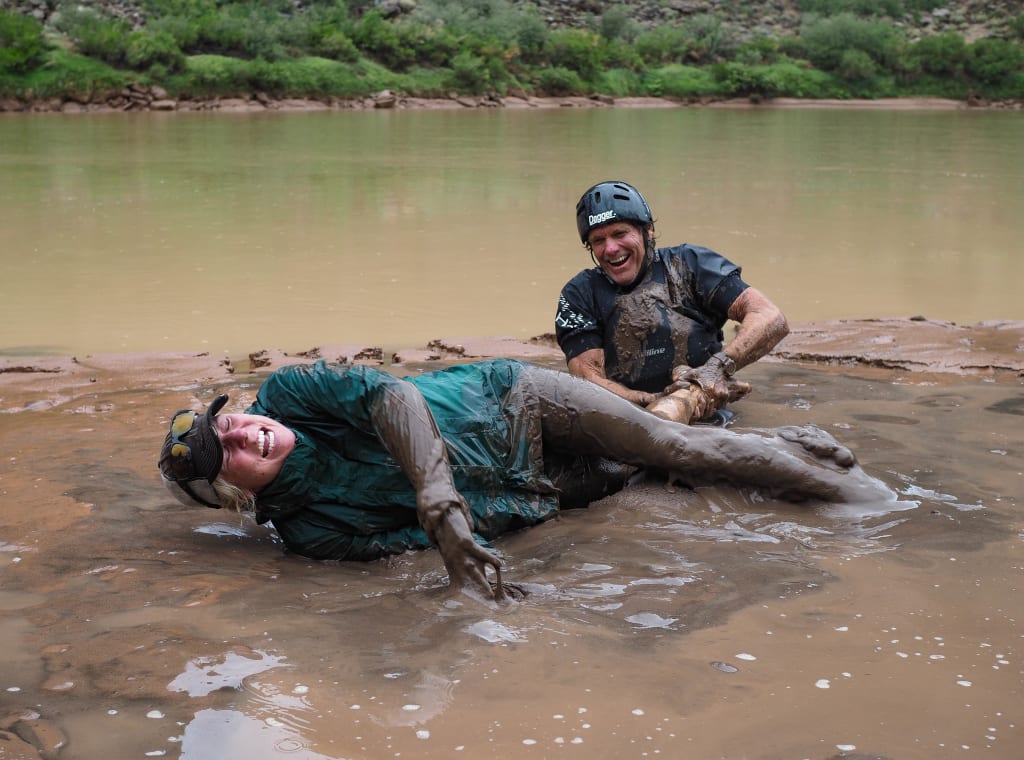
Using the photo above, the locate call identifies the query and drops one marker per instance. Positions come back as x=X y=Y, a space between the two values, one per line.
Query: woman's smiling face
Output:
x=255 y=448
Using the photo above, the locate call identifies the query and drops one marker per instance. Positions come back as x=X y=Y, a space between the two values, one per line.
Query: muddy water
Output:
x=708 y=624
x=143 y=232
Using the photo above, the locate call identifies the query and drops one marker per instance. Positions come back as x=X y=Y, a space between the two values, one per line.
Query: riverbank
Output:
x=140 y=98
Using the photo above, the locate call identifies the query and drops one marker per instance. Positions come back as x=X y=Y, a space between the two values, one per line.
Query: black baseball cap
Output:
x=192 y=455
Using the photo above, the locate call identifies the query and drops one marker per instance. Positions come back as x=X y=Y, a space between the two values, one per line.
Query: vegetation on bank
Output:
x=351 y=48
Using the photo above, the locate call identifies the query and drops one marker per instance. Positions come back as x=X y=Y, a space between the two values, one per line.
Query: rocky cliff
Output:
x=972 y=19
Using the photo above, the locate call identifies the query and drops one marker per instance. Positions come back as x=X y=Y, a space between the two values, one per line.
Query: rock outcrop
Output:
x=972 y=19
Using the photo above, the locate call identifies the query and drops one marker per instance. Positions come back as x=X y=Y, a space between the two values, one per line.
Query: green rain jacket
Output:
x=341 y=495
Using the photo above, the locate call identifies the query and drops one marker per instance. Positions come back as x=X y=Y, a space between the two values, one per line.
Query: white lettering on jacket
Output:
x=604 y=216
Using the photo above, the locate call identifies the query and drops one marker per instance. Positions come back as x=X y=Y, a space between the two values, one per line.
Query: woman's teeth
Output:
x=265 y=442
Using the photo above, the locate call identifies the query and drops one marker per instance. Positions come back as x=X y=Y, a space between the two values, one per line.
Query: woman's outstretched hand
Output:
x=449 y=527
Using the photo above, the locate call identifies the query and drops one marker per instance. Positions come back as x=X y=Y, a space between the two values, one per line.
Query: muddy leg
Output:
x=795 y=463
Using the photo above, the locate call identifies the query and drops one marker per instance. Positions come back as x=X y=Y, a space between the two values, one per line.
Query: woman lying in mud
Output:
x=353 y=463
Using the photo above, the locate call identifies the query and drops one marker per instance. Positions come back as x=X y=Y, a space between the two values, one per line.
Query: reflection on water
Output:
x=233 y=233
x=231 y=733
x=207 y=674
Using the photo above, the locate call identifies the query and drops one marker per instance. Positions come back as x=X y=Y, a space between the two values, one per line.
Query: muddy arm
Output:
x=761 y=326
x=408 y=430
x=590 y=366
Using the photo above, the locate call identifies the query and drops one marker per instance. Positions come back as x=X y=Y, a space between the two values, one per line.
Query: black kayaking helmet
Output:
x=609 y=202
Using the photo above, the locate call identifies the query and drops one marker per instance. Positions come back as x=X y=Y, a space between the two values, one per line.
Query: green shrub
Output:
x=95 y=36
x=786 y=79
x=193 y=8
x=1011 y=87
x=497 y=19
x=574 y=49
x=399 y=45
x=662 y=45
x=337 y=46
x=708 y=38
x=21 y=43
x=825 y=41
x=378 y=39
x=619 y=82
x=991 y=60
x=617 y=24
x=796 y=81
x=618 y=55
x=146 y=50
x=939 y=54
x=922 y=6
x=856 y=66
x=893 y=8
x=1016 y=26
x=758 y=50
x=421 y=82
x=680 y=82
x=736 y=79
x=559 y=81
x=217 y=75
x=470 y=74
x=531 y=35
x=64 y=73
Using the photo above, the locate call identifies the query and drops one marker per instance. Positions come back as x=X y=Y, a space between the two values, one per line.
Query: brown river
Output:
x=160 y=250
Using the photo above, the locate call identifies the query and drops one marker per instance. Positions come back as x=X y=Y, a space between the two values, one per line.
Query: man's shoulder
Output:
x=683 y=250
x=586 y=277
x=586 y=286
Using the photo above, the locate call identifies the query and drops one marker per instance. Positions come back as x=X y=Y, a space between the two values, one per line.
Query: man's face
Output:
x=618 y=248
x=255 y=448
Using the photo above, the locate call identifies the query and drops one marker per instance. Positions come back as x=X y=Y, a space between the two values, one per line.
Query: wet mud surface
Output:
x=660 y=621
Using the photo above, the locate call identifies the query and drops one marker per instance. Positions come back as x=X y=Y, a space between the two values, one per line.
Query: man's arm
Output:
x=761 y=326
x=590 y=366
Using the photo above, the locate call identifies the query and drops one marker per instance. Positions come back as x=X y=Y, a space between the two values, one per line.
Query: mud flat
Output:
x=991 y=349
x=660 y=621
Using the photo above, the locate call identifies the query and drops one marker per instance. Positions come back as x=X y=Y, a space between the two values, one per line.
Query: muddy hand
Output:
x=738 y=389
x=714 y=385
x=464 y=559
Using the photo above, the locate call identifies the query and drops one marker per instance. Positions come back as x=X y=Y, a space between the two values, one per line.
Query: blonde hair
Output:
x=234 y=498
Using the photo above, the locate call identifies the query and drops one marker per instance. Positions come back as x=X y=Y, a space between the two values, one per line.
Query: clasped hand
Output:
x=716 y=390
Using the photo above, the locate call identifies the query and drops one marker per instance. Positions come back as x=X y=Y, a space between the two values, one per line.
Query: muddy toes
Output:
x=816 y=441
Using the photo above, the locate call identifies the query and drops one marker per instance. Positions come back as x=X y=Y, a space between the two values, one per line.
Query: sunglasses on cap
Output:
x=192 y=449
x=179 y=463
x=191 y=456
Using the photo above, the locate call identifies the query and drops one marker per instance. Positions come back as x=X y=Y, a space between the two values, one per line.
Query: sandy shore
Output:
x=140 y=98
